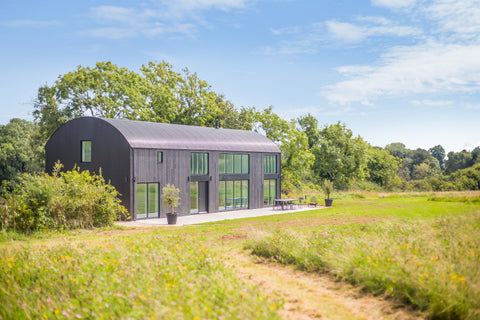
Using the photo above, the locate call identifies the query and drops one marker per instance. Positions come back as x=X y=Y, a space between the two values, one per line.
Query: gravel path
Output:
x=209 y=217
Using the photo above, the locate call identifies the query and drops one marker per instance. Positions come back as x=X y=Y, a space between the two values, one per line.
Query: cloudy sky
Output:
x=391 y=70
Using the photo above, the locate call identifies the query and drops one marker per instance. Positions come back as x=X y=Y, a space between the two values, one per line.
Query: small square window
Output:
x=159 y=156
x=86 y=151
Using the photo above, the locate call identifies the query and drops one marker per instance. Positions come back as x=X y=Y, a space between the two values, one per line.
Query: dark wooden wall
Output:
x=110 y=152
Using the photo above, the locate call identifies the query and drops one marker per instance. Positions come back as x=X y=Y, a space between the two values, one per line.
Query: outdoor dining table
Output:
x=284 y=203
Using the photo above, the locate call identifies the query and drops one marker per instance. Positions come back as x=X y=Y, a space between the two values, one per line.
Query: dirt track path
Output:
x=314 y=296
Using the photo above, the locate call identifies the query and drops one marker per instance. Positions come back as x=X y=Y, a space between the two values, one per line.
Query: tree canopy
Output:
x=157 y=92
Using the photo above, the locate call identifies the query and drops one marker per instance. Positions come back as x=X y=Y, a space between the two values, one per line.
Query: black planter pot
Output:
x=328 y=202
x=172 y=218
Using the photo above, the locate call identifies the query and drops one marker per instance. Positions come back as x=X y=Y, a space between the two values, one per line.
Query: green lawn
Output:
x=420 y=249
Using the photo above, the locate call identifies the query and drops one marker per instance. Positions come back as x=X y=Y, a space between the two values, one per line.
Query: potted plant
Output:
x=171 y=198
x=328 y=189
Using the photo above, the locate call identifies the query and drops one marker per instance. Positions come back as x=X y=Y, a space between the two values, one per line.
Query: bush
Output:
x=66 y=200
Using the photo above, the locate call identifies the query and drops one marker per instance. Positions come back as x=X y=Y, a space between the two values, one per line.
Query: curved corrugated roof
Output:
x=154 y=135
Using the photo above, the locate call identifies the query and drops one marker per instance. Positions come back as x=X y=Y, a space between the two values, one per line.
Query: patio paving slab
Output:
x=210 y=217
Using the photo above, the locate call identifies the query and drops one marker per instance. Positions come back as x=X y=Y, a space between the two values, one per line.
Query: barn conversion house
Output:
x=215 y=169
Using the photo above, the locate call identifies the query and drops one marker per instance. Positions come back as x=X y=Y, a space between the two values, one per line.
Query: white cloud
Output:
x=372 y=27
x=111 y=33
x=461 y=17
x=432 y=103
x=429 y=68
x=285 y=31
x=393 y=4
x=161 y=17
x=28 y=23
x=345 y=31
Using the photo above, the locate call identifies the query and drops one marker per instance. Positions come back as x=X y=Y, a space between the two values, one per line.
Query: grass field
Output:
x=420 y=249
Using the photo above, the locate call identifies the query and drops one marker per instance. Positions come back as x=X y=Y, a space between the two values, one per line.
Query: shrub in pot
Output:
x=171 y=198
x=328 y=189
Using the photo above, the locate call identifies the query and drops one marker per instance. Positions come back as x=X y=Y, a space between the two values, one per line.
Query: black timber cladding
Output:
x=126 y=151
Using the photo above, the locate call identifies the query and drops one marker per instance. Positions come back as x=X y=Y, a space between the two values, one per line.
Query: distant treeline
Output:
x=310 y=153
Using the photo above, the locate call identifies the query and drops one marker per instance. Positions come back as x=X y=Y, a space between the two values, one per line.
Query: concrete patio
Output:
x=211 y=217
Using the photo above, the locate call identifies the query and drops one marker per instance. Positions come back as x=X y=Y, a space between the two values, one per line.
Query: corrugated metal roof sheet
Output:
x=154 y=135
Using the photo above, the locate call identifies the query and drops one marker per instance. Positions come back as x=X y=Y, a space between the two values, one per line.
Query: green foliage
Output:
x=458 y=160
x=63 y=200
x=438 y=153
x=339 y=156
x=156 y=93
x=327 y=187
x=18 y=152
x=141 y=276
x=429 y=263
x=382 y=167
x=170 y=196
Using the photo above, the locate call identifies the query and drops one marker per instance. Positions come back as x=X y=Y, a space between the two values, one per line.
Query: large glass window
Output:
x=199 y=163
x=269 y=191
x=245 y=164
x=147 y=200
x=221 y=163
x=233 y=163
x=229 y=163
x=194 y=197
x=270 y=164
x=221 y=195
x=233 y=194
x=86 y=151
x=229 y=195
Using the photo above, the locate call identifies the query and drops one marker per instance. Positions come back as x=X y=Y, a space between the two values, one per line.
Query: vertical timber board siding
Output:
x=256 y=180
x=110 y=153
x=174 y=169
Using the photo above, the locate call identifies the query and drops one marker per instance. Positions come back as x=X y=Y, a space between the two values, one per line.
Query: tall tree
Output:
x=339 y=156
x=397 y=149
x=438 y=153
x=382 y=167
x=458 y=160
x=309 y=125
x=156 y=93
x=17 y=152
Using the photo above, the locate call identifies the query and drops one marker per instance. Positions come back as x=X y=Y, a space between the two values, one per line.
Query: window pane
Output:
x=205 y=163
x=229 y=194
x=221 y=195
x=237 y=201
x=86 y=151
x=237 y=163
x=159 y=156
x=245 y=164
x=152 y=200
x=194 y=197
x=266 y=192
x=199 y=157
x=273 y=168
x=244 y=193
x=229 y=160
x=221 y=163
x=273 y=190
x=141 y=200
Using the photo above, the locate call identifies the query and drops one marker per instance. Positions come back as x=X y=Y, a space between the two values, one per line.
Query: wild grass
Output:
x=139 y=276
x=431 y=263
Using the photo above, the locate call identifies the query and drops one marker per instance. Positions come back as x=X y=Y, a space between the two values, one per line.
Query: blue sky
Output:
x=391 y=70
